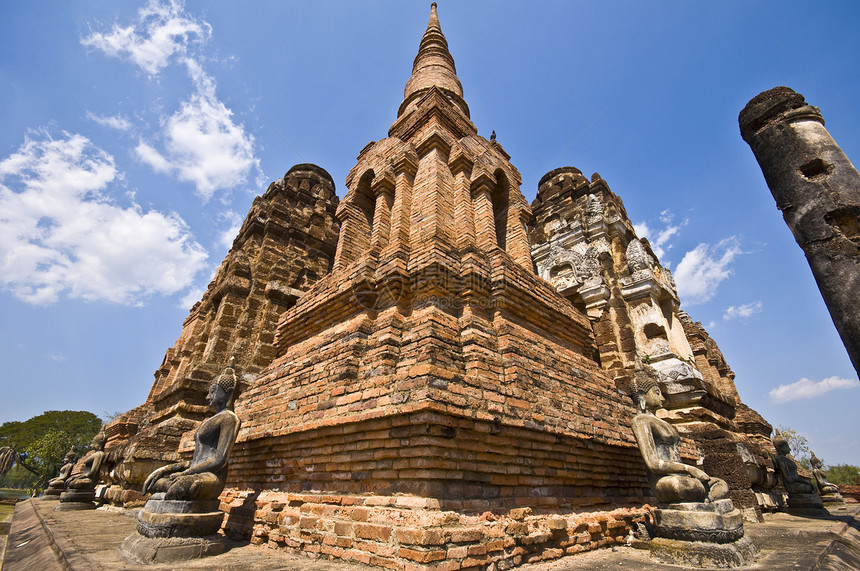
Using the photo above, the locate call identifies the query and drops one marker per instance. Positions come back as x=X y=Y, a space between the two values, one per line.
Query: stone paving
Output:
x=41 y=538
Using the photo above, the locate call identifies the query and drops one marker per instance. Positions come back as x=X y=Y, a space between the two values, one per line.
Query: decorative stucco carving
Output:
x=594 y=209
x=560 y=269
x=670 y=279
x=673 y=369
x=637 y=258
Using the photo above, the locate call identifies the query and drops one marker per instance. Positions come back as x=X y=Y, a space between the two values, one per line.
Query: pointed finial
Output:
x=493 y=135
x=433 y=67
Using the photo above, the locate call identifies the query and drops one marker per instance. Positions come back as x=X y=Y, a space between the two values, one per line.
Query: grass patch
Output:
x=6 y=512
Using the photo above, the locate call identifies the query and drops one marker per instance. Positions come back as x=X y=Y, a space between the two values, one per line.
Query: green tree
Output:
x=19 y=478
x=843 y=475
x=39 y=444
x=799 y=446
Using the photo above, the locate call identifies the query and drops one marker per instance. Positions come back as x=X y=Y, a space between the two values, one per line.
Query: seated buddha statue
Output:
x=58 y=485
x=793 y=482
x=205 y=476
x=824 y=487
x=671 y=480
x=93 y=459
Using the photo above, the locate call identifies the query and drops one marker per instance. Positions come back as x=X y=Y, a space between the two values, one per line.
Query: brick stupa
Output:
x=443 y=385
x=432 y=374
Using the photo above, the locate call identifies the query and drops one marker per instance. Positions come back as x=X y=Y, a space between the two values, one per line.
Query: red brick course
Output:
x=431 y=403
x=420 y=537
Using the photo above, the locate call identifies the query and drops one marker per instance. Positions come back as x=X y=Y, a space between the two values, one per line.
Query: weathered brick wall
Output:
x=504 y=367
x=755 y=427
x=285 y=244
x=722 y=460
x=409 y=533
x=710 y=361
x=430 y=453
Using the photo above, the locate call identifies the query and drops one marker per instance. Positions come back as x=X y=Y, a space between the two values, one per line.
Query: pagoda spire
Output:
x=433 y=67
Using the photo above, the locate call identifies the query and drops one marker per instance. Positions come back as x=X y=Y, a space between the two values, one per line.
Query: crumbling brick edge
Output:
x=413 y=533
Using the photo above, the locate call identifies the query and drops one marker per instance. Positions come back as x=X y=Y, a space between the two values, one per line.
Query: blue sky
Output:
x=135 y=136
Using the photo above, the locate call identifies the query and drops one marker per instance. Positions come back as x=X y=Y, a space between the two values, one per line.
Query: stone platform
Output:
x=89 y=540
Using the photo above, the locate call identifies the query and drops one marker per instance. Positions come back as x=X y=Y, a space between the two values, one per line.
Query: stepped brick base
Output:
x=413 y=533
x=432 y=454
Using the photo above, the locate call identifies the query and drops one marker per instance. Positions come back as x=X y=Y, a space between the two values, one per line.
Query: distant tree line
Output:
x=840 y=474
x=32 y=451
x=843 y=475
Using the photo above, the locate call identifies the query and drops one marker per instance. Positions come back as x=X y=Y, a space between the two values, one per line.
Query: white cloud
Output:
x=734 y=312
x=202 y=144
x=805 y=388
x=234 y=220
x=160 y=31
x=704 y=268
x=659 y=239
x=199 y=143
x=117 y=122
x=60 y=234
x=193 y=296
x=642 y=229
x=148 y=154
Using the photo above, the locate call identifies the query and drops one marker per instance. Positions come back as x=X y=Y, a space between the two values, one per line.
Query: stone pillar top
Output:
x=771 y=105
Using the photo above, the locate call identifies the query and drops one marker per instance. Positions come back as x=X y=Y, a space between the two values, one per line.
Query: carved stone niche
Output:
x=646 y=278
x=595 y=220
x=563 y=277
x=576 y=276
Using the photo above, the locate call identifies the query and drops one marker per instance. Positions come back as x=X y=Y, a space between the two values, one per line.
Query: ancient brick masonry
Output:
x=433 y=365
x=285 y=245
x=405 y=532
x=584 y=244
x=452 y=393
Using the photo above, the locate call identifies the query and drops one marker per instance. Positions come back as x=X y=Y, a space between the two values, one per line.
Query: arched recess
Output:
x=366 y=204
x=500 y=199
x=356 y=222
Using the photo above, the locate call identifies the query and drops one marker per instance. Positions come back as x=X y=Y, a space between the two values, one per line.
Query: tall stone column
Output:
x=461 y=167
x=818 y=191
